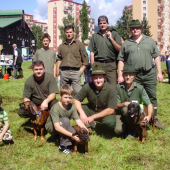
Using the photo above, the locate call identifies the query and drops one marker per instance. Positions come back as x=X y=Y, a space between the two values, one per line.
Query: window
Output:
x=54 y=3
x=144 y=8
x=144 y=2
x=54 y=48
x=55 y=8
x=54 y=43
x=54 y=18
x=54 y=23
x=77 y=10
x=54 y=38
x=77 y=15
x=54 y=28
x=144 y=14
x=54 y=33
x=54 y=13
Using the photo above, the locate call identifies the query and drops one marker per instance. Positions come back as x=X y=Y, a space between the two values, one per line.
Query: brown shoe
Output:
x=157 y=124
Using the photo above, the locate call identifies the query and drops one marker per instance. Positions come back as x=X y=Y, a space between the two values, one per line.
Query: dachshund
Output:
x=83 y=134
x=37 y=116
x=137 y=119
x=164 y=72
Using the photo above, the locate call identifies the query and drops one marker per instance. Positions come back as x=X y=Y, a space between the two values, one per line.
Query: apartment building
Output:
x=158 y=13
x=59 y=9
x=29 y=19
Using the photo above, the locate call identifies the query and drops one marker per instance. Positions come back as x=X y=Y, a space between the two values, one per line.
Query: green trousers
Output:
x=19 y=69
x=108 y=121
x=148 y=80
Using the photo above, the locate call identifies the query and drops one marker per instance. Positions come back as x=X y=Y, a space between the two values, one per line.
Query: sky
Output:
x=111 y=8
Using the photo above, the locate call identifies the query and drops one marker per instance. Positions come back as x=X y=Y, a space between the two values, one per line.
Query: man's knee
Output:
x=64 y=121
x=109 y=122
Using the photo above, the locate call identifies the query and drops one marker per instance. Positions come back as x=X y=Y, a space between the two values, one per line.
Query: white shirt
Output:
x=15 y=52
x=2 y=57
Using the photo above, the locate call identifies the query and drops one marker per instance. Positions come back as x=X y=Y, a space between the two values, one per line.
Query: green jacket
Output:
x=140 y=55
x=136 y=94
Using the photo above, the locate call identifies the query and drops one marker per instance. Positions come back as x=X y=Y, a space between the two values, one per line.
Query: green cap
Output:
x=129 y=68
x=135 y=23
x=97 y=69
x=0 y=97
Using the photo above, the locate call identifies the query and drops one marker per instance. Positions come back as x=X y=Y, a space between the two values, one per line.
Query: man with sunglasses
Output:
x=139 y=50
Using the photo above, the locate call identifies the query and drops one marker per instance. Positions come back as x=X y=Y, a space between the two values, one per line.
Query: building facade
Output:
x=59 y=9
x=158 y=13
x=29 y=19
x=14 y=30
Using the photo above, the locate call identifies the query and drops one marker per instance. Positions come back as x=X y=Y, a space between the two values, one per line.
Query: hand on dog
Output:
x=76 y=138
x=126 y=104
x=84 y=118
x=44 y=105
x=145 y=121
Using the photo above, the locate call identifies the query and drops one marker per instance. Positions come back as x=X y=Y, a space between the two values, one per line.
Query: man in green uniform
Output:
x=127 y=92
x=104 y=47
x=40 y=88
x=140 y=50
x=102 y=100
x=47 y=55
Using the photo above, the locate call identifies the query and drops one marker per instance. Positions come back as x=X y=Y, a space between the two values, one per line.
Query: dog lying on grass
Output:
x=137 y=119
x=164 y=72
x=38 y=117
x=84 y=136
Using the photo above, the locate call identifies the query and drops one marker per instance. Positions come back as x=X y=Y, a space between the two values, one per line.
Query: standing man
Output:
x=101 y=98
x=72 y=60
x=46 y=55
x=17 y=62
x=40 y=88
x=104 y=48
x=139 y=50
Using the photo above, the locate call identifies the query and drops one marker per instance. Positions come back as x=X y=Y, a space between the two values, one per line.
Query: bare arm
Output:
x=26 y=100
x=121 y=105
x=91 y=58
x=114 y=43
x=82 y=68
x=55 y=69
x=58 y=68
x=44 y=104
x=81 y=124
x=15 y=60
x=158 y=66
x=120 y=73
x=4 y=131
x=60 y=129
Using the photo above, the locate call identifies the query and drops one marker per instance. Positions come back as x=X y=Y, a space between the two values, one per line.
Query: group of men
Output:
x=107 y=100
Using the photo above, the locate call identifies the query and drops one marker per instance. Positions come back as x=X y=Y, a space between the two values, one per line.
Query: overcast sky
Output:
x=111 y=8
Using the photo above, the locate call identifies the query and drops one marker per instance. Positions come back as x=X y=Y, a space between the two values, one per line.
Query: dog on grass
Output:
x=164 y=72
x=83 y=134
x=37 y=116
x=137 y=119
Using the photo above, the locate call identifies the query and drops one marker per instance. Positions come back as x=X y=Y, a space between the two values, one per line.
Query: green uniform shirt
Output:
x=140 y=55
x=98 y=100
x=72 y=55
x=102 y=47
x=58 y=112
x=3 y=116
x=136 y=94
x=48 y=57
x=32 y=92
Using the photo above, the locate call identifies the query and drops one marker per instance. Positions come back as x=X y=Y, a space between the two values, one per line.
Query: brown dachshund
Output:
x=137 y=118
x=164 y=72
x=38 y=117
x=83 y=134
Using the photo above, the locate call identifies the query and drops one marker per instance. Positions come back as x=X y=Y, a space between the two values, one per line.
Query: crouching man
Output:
x=127 y=92
x=58 y=123
x=102 y=100
x=40 y=88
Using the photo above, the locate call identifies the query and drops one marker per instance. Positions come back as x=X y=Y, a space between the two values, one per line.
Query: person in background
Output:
x=9 y=67
x=2 y=58
x=87 y=71
x=167 y=55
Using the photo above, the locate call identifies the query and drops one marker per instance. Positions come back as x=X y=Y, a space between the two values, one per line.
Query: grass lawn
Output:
x=105 y=150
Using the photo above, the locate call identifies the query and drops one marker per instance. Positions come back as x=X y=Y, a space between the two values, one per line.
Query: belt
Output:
x=104 y=61
x=144 y=71
x=70 y=68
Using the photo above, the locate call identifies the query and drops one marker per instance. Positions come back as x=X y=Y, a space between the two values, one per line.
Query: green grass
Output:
x=105 y=150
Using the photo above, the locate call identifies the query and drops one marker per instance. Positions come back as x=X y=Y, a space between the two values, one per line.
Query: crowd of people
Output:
x=108 y=91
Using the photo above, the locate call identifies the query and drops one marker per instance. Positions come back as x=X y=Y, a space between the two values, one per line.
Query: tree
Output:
x=84 y=19
x=146 y=27
x=37 y=32
x=68 y=21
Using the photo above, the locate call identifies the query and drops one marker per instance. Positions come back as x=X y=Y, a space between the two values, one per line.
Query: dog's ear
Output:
x=31 y=106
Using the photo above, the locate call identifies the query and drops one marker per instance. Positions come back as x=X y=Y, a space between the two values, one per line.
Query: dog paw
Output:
x=34 y=138
x=73 y=154
x=86 y=153
x=42 y=139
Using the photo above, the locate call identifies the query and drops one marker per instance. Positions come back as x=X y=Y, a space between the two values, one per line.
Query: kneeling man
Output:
x=127 y=92
x=102 y=100
x=40 y=88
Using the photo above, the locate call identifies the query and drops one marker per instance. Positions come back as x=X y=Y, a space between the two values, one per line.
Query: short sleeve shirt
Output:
x=139 y=54
x=58 y=112
x=102 y=47
x=3 y=116
x=48 y=57
x=136 y=94
x=98 y=100
x=32 y=92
